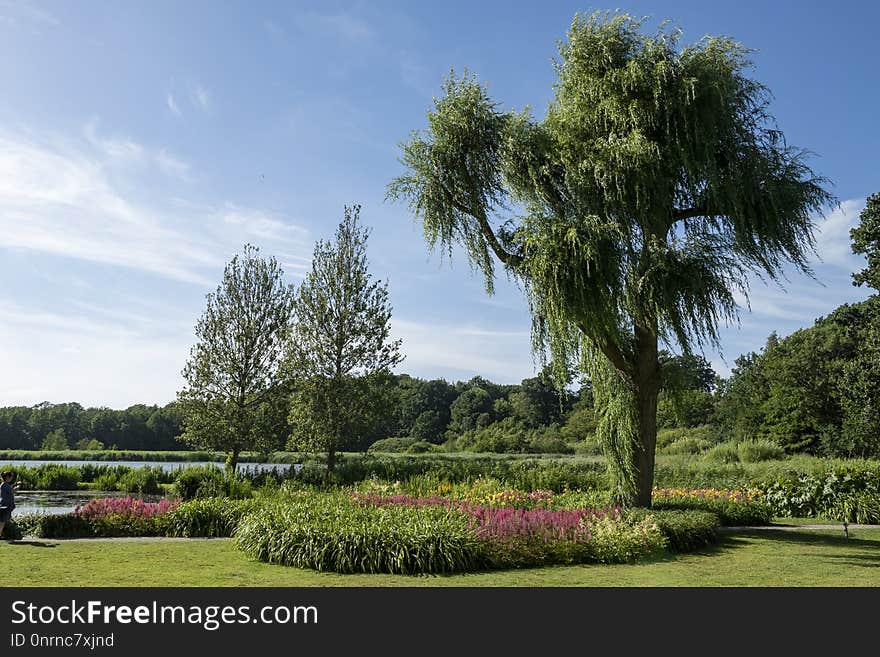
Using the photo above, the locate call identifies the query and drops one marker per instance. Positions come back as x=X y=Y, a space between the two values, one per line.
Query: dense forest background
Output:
x=816 y=391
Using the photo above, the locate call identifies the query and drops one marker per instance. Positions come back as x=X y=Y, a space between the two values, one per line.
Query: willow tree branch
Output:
x=508 y=258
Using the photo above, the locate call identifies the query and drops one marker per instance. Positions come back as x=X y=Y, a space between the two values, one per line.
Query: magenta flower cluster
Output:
x=102 y=507
x=504 y=525
x=509 y=524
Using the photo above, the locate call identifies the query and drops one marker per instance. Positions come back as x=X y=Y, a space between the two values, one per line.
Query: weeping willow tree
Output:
x=631 y=214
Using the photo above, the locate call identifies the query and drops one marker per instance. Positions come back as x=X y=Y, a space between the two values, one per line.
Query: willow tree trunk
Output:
x=647 y=384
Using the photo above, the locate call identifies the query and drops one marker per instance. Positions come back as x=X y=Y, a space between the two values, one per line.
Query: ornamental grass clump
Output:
x=333 y=532
x=207 y=517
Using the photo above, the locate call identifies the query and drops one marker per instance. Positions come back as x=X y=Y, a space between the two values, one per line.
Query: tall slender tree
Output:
x=340 y=353
x=235 y=397
x=655 y=183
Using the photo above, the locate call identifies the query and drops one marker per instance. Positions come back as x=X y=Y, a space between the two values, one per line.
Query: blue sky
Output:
x=142 y=144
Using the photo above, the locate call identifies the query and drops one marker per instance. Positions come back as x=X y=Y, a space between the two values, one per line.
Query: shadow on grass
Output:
x=41 y=544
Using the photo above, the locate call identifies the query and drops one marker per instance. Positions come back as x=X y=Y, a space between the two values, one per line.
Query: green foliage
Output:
x=705 y=433
x=580 y=424
x=685 y=530
x=234 y=398
x=396 y=444
x=340 y=353
x=56 y=439
x=467 y=409
x=685 y=408
x=866 y=241
x=61 y=525
x=519 y=473
x=332 y=532
x=140 y=480
x=657 y=180
x=621 y=540
x=827 y=491
x=753 y=451
x=818 y=390
x=861 y=508
x=214 y=517
x=729 y=512
x=688 y=445
x=208 y=481
x=422 y=447
x=50 y=476
x=90 y=444
x=722 y=453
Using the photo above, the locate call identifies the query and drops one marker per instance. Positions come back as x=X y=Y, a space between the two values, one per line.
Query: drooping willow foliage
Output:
x=632 y=212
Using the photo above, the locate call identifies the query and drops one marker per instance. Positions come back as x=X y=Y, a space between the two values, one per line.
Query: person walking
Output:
x=7 y=498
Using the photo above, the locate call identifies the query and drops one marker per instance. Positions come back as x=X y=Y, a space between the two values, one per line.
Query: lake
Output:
x=64 y=501
x=165 y=465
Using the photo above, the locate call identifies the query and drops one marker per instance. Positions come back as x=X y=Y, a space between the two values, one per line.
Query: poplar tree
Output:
x=340 y=354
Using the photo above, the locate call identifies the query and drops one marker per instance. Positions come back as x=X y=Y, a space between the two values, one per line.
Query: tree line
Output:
x=70 y=426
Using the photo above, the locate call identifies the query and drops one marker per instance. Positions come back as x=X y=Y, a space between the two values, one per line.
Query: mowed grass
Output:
x=766 y=558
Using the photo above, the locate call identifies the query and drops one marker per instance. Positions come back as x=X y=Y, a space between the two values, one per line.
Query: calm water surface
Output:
x=64 y=501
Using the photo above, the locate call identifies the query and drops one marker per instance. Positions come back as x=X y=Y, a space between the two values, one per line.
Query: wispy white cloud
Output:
x=200 y=97
x=832 y=235
x=63 y=199
x=171 y=165
x=460 y=352
x=102 y=353
x=172 y=104
x=126 y=151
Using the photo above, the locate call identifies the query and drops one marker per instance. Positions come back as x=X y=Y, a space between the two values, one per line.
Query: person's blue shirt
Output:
x=7 y=496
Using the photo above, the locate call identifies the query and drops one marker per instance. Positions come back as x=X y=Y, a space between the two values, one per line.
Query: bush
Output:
x=210 y=481
x=588 y=447
x=392 y=444
x=817 y=493
x=51 y=476
x=549 y=441
x=706 y=432
x=684 y=530
x=422 y=447
x=210 y=518
x=754 y=451
x=63 y=525
x=139 y=480
x=722 y=453
x=107 y=481
x=617 y=539
x=332 y=532
x=733 y=508
x=687 y=446
x=861 y=508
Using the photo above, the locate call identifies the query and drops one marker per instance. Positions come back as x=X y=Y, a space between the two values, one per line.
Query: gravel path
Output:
x=156 y=539
x=794 y=528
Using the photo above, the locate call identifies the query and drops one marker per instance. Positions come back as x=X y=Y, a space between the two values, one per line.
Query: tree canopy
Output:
x=340 y=349
x=866 y=241
x=235 y=396
x=631 y=213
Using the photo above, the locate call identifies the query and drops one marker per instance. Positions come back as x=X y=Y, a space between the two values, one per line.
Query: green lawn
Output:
x=768 y=558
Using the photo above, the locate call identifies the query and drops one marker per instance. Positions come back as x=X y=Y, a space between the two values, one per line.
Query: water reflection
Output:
x=63 y=501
